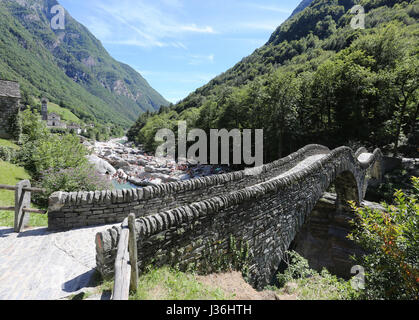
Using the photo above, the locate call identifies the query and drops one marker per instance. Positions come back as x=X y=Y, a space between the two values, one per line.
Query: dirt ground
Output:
x=233 y=284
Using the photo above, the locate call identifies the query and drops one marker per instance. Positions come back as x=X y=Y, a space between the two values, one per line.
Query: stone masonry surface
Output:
x=79 y=209
x=9 y=107
x=266 y=214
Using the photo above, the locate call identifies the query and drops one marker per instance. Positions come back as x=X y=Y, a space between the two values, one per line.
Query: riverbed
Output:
x=130 y=167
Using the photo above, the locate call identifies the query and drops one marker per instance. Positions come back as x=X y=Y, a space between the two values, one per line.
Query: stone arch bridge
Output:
x=192 y=223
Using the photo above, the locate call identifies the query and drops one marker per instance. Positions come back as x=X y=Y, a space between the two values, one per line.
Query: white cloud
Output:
x=196 y=59
x=194 y=28
x=148 y=24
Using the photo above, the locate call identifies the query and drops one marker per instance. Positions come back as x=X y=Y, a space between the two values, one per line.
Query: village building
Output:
x=53 y=119
x=9 y=109
x=76 y=127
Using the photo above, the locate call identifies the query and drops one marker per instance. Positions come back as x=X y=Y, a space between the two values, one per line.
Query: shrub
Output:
x=311 y=285
x=52 y=152
x=297 y=268
x=7 y=153
x=80 y=178
x=32 y=128
x=391 y=239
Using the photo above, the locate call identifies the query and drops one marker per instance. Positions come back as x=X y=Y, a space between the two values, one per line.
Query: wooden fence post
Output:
x=133 y=254
x=122 y=267
x=22 y=200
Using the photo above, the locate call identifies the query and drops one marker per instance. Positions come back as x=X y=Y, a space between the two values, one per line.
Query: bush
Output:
x=80 y=178
x=32 y=128
x=311 y=285
x=298 y=268
x=52 y=152
x=42 y=150
x=7 y=153
x=391 y=239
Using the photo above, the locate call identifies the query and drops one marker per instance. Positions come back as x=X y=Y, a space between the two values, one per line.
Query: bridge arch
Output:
x=347 y=189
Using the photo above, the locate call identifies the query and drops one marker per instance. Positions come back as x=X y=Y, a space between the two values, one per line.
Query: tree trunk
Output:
x=414 y=120
x=399 y=127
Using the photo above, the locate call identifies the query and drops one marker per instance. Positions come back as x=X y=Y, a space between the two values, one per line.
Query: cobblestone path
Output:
x=40 y=265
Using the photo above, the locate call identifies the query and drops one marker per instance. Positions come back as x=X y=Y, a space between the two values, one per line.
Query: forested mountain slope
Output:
x=70 y=66
x=317 y=80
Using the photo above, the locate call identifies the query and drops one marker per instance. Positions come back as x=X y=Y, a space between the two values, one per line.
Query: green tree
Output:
x=391 y=239
x=282 y=96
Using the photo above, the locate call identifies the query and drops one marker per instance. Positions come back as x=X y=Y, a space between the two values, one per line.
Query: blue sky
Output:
x=180 y=45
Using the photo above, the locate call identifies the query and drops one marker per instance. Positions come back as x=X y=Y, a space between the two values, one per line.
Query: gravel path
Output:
x=40 y=265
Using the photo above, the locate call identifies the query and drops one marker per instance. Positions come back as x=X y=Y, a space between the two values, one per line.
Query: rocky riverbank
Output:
x=125 y=163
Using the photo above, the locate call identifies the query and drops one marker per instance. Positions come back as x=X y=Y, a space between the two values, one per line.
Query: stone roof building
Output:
x=9 y=109
x=76 y=127
x=54 y=121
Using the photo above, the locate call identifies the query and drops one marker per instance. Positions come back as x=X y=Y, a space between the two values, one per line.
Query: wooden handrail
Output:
x=36 y=190
x=6 y=187
x=28 y=210
x=22 y=190
x=13 y=188
x=122 y=267
x=38 y=211
x=7 y=208
x=126 y=268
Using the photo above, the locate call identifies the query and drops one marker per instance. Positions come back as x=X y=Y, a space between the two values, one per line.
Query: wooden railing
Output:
x=22 y=203
x=126 y=268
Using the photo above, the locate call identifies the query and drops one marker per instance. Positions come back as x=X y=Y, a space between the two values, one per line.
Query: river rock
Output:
x=121 y=164
x=102 y=166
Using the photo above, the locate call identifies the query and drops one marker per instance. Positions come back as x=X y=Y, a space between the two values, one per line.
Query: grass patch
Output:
x=8 y=143
x=65 y=114
x=320 y=286
x=170 y=284
x=307 y=284
x=11 y=174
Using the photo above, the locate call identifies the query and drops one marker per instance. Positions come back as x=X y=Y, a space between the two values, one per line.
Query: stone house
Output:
x=76 y=127
x=9 y=109
x=54 y=121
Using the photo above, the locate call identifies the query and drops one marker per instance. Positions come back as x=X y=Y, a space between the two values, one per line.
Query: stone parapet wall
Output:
x=9 y=108
x=79 y=209
x=266 y=216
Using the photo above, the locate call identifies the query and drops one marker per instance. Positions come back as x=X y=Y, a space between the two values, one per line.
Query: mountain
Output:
x=316 y=80
x=70 y=67
x=321 y=25
x=303 y=4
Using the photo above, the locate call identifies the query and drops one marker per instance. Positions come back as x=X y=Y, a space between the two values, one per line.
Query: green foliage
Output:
x=32 y=128
x=170 y=284
x=220 y=257
x=148 y=133
x=7 y=153
x=297 y=268
x=81 y=177
x=53 y=152
x=311 y=285
x=391 y=239
x=43 y=150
